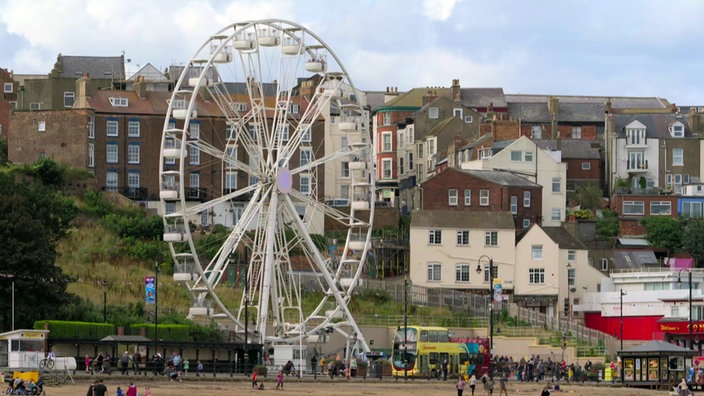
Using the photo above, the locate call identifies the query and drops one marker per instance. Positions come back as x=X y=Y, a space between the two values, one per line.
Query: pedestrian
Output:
x=199 y=369
x=280 y=380
x=131 y=390
x=473 y=383
x=186 y=366
x=100 y=389
x=87 y=363
x=136 y=361
x=125 y=362
x=460 y=385
x=147 y=391
x=502 y=385
x=444 y=370
x=118 y=392
x=485 y=384
x=90 y=388
x=546 y=391
x=254 y=380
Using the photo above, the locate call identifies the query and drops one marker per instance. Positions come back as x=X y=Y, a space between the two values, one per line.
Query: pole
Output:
x=246 y=322
x=691 y=344
x=621 y=321
x=105 y=301
x=13 y=305
x=491 y=316
x=156 y=309
x=405 y=329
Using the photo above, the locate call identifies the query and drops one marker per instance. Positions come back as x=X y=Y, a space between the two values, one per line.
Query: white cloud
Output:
x=439 y=10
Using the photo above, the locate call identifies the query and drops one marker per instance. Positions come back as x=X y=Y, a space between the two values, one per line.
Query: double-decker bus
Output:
x=420 y=351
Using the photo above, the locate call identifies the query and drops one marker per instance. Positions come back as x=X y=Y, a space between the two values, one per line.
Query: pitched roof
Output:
x=636 y=258
x=481 y=97
x=503 y=178
x=656 y=124
x=150 y=73
x=414 y=97
x=568 y=112
x=462 y=219
x=616 y=101
x=571 y=148
x=659 y=346
x=97 y=67
x=564 y=239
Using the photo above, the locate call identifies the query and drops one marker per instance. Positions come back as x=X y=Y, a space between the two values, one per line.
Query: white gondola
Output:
x=181 y=114
x=316 y=65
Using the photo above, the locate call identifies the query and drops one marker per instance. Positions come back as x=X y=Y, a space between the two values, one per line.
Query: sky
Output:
x=547 y=47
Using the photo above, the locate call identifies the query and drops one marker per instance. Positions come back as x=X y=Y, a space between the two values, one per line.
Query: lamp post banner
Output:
x=150 y=289
x=497 y=289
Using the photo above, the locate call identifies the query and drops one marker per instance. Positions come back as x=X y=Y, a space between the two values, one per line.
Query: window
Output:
x=435 y=237
x=253 y=131
x=91 y=155
x=133 y=128
x=536 y=132
x=536 y=276
x=485 y=153
x=635 y=137
x=516 y=155
x=8 y=87
x=462 y=272
x=431 y=146
x=386 y=118
x=111 y=127
x=434 y=270
x=230 y=182
x=345 y=169
x=283 y=132
x=305 y=185
x=604 y=264
x=119 y=102
x=571 y=256
x=571 y=273
x=169 y=207
x=467 y=197
x=692 y=209
x=468 y=119
x=194 y=185
x=410 y=161
x=111 y=153
x=433 y=113
x=91 y=127
x=677 y=156
x=69 y=99
x=636 y=160
x=194 y=155
x=386 y=168
x=237 y=106
x=556 y=184
x=491 y=238
x=35 y=106
x=401 y=168
x=452 y=197
x=586 y=166
x=633 y=208
x=555 y=214
x=253 y=164
x=386 y=141
x=111 y=180
x=660 y=208
x=133 y=179
x=483 y=197
x=528 y=156
x=677 y=130
x=293 y=108
x=306 y=155
x=463 y=237
x=194 y=130
x=526 y=199
x=457 y=113
x=536 y=252
x=526 y=223
x=668 y=179
x=306 y=138
x=576 y=132
x=133 y=153
x=514 y=204
x=41 y=126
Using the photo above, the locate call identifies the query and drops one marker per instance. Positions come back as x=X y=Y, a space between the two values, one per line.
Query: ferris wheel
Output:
x=267 y=138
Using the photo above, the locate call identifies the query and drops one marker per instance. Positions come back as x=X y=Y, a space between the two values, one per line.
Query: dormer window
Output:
x=635 y=134
x=677 y=130
x=433 y=112
x=119 y=102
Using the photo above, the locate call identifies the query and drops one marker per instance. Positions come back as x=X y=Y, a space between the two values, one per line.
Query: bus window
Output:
x=424 y=336
x=433 y=336
x=464 y=358
x=433 y=356
x=443 y=336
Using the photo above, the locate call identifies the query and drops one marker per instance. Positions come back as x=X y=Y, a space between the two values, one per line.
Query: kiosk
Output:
x=655 y=363
x=22 y=349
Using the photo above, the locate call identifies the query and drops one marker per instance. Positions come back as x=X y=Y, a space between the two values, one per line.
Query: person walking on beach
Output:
x=460 y=385
x=280 y=380
x=502 y=385
x=473 y=383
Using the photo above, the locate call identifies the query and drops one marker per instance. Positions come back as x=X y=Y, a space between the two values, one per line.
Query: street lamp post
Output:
x=622 y=293
x=156 y=308
x=689 y=279
x=568 y=312
x=106 y=284
x=405 y=329
x=491 y=302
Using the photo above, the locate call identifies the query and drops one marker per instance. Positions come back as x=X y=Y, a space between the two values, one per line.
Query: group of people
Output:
x=174 y=367
x=537 y=369
x=20 y=386
x=487 y=384
x=98 y=388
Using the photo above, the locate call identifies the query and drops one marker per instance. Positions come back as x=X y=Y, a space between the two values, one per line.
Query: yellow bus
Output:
x=425 y=351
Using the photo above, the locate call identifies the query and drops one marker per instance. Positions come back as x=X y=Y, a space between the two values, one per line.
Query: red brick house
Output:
x=633 y=207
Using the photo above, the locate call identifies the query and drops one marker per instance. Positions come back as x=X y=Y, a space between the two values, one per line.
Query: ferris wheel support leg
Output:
x=268 y=266
x=331 y=284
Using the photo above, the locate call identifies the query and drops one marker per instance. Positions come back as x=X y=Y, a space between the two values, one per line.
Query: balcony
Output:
x=637 y=166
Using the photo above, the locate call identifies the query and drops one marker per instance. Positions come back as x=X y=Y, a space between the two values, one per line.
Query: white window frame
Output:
x=435 y=237
x=386 y=142
x=536 y=252
x=305 y=185
x=571 y=256
x=306 y=156
x=586 y=165
x=677 y=130
x=433 y=113
x=193 y=155
x=194 y=130
x=345 y=169
x=467 y=197
x=491 y=238
x=633 y=206
x=516 y=155
x=526 y=199
x=556 y=184
x=69 y=99
x=112 y=128
x=119 y=102
x=133 y=128
x=528 y=156
x=307 y=135
x=387 y=170
x=526 y=223
x=604 y=264
x=462 y=273
x=536 y=276
x=112 y=180
x=91 y=127
x=112 y=153
x=555 y=214
x=536 y=132
x=576 y=132
x=514 y=204
x=457 y=112
x=462 y=237
x=677 y=156
x=133 y=153
x=434 y=272
x=660 y=208
x=452 y=196
x=468 y=119
x=35 y=106
x=483 y=197
x=91 y=155
x=133 y=179
x=386 y=118
x=8 y=87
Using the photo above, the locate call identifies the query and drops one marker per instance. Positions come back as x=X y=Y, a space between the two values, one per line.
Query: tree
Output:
x=663 y=232
x=590 y=197
x=32 y=218
x=692 y=232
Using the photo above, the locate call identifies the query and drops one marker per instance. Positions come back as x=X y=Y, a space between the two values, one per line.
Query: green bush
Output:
x=76 y=330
